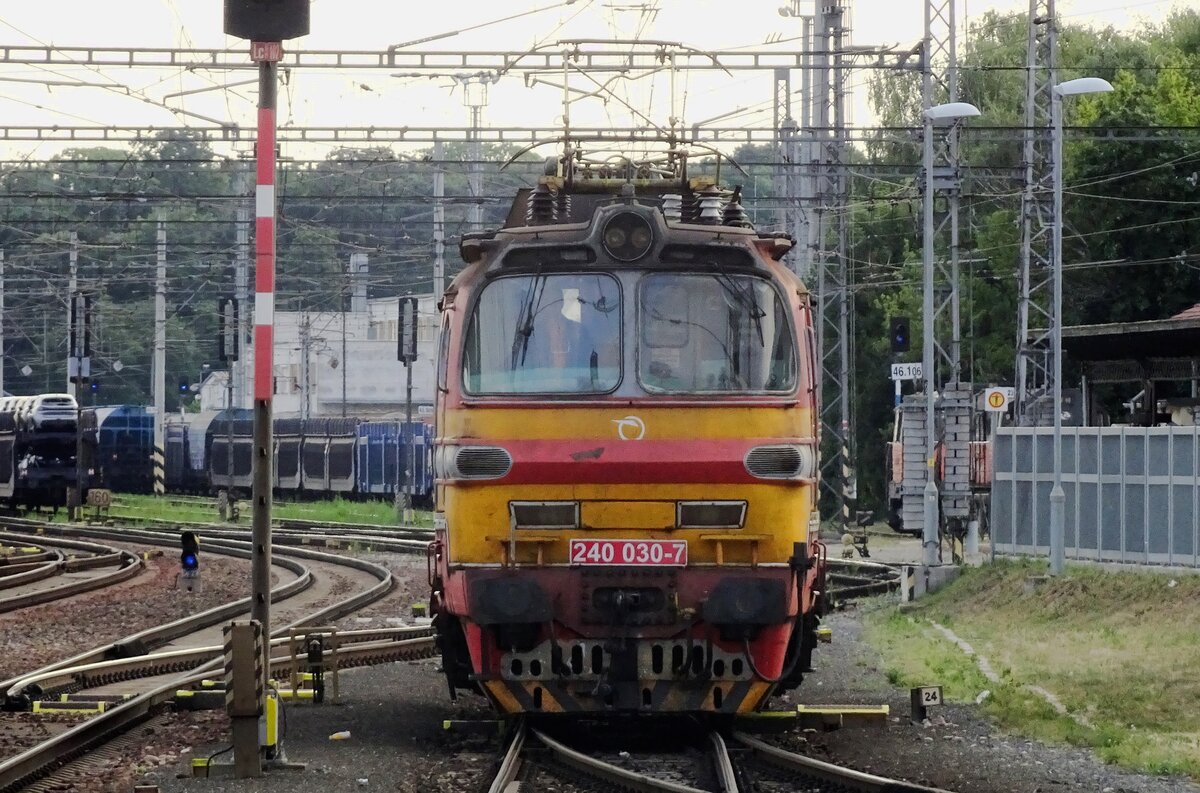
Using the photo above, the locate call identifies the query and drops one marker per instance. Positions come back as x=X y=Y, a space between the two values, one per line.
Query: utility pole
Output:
x=2 y=358
x=475 y=89
x=78 y=365
x=406 y=351
x=72 y=288
x=439 y=224
x=343 y=361
x=802 y=229
x=160 y=360
x=785 y=133
x=358 y=287
x=241 y=287
x=305 y=345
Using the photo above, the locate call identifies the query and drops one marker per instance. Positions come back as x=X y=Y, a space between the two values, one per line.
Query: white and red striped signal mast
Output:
x=266 y=23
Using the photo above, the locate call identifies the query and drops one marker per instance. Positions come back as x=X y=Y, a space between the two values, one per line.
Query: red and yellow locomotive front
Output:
x=626 y=461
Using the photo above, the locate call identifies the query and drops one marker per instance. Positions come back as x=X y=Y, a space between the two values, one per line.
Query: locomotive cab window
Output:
x=713 y=333
x=545 y=334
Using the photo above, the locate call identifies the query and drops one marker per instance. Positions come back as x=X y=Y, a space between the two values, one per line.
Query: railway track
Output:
x=854 y=578
x=708 y=764
x=140 y=674
x=60 y=568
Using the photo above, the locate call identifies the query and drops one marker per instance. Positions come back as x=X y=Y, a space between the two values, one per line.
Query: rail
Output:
x=729 y=767
x=822 y=773
x=126 y=565
x=17 y=771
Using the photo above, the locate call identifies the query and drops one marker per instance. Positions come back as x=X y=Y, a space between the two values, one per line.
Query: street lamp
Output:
x=1058 y=498
x=938 y=115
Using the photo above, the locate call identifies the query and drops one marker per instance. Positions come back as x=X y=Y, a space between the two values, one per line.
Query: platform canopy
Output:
x=1122 y=352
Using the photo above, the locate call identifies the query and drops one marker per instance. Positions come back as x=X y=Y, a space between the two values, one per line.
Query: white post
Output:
x=1 y=323
x=160 y=360
x=439 y=224
x=239 y=392
x=1058 y=499
x=72 y=288
x=930 y=539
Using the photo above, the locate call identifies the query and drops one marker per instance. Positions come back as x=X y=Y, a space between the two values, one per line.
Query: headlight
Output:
x=627 y=236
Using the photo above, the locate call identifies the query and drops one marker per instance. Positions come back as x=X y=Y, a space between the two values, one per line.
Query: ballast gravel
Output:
x=394 y=715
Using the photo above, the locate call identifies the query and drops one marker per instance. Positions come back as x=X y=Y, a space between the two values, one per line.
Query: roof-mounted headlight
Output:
x=627 y=236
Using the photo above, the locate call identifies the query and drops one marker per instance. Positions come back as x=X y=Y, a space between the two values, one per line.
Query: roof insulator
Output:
x=563 y=205
x=710 y=206
x=540 y=209
x=672 y=207
x=734 y=214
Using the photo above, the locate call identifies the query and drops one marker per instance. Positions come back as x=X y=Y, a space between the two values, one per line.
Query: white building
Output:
x=324 y=360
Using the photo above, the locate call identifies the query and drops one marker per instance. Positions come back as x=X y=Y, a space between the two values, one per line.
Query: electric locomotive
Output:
x=626 y=452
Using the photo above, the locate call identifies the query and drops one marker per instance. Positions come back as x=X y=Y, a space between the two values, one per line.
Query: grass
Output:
x=205 y=511
x=1118 y=648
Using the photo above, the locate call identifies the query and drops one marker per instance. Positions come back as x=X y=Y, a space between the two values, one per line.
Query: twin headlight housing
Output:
x=627 y=236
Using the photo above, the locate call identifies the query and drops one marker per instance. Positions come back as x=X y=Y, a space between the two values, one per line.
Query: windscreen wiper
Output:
x=524 y=329
x=745 y=299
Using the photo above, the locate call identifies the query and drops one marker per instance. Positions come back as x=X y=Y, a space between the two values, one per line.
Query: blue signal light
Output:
x=189 y=558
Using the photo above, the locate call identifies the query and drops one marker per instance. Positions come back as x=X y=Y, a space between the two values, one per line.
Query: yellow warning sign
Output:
x=997 y=399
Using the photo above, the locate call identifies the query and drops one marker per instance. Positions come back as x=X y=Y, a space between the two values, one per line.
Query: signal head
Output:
x=900 y=338
x=189 y=559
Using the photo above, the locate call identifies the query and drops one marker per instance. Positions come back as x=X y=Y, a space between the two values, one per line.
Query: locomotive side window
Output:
x=545 y=334
x=706 y=333
x=443 y=362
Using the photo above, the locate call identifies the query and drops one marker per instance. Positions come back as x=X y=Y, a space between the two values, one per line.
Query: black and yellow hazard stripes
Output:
x=649 y=696
x=160 y=477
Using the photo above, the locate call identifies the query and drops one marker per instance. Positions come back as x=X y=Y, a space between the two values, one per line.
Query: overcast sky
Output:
x=376 y=97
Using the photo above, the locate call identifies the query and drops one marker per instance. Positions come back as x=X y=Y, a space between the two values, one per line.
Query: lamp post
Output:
x=940 y=115
x=1058 y=498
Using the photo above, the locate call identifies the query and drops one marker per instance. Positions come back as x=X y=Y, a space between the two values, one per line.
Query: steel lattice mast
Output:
x=1035 y=316
x=831 y=255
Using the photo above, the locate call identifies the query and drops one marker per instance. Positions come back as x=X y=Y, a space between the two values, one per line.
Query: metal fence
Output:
x=1133 y=493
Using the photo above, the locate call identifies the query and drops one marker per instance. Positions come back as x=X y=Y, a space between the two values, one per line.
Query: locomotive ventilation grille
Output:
x=472 y=462
x=781 y=461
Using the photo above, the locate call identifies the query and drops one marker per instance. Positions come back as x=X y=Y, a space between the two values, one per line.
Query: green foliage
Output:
x=367 y=200
x=1130 y=239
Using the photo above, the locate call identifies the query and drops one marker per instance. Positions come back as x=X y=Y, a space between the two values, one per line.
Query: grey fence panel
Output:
x=1002 y=519
x=1133 y=493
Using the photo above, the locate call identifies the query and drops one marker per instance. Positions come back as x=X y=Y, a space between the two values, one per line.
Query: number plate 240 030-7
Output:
x=663 y=553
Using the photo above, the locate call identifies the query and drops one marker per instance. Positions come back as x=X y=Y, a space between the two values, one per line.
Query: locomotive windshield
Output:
x=539 y=334
x=713 y=333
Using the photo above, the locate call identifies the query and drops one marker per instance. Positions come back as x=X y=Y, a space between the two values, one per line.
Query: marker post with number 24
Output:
x=923 y=698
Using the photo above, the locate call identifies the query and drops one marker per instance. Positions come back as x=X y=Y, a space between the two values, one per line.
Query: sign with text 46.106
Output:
x=906 y=371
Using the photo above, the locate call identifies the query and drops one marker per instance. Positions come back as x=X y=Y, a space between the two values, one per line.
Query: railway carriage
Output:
x=626 y=461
